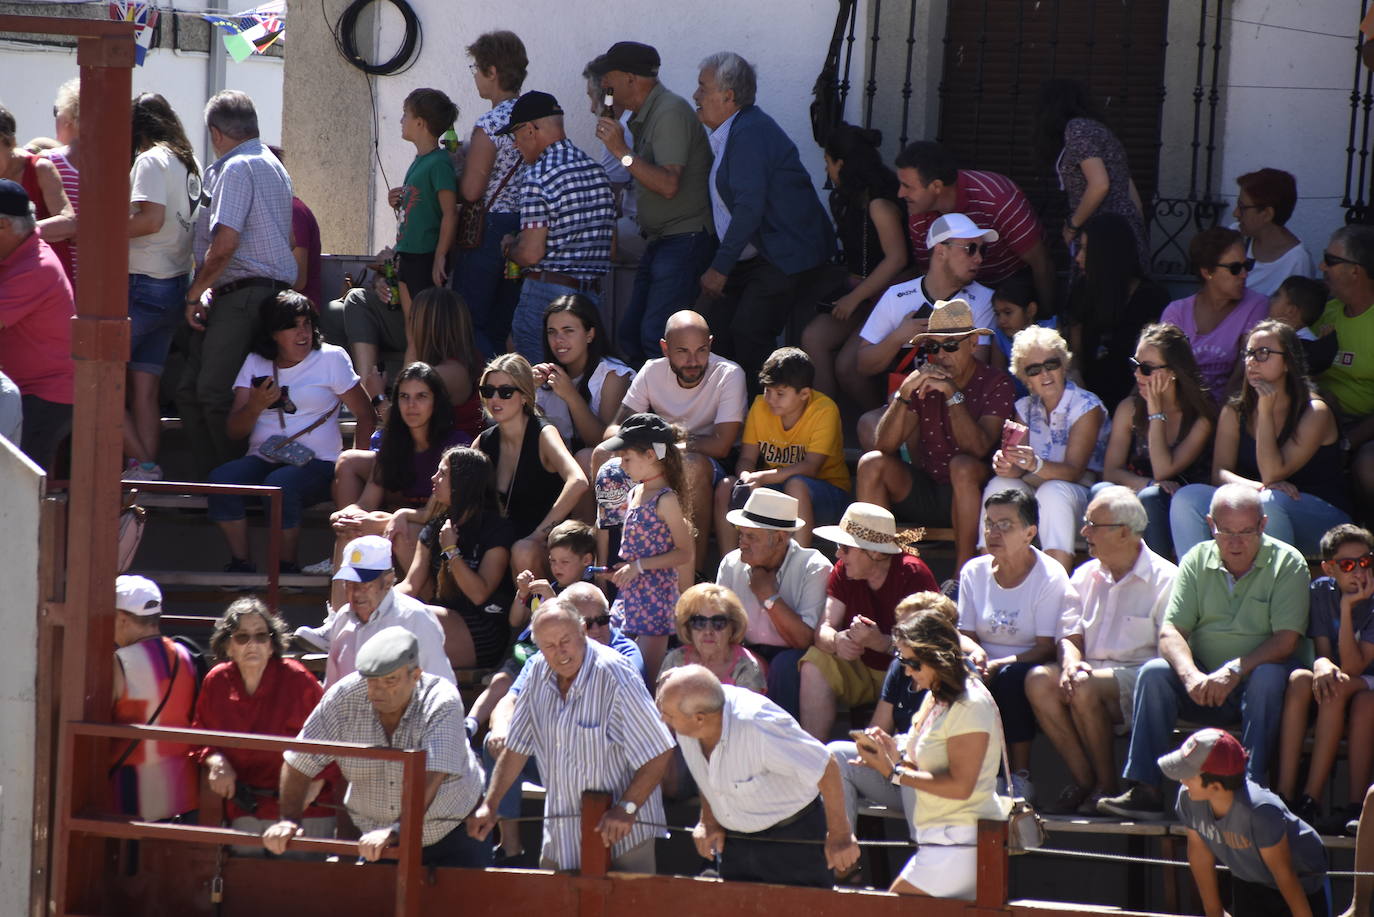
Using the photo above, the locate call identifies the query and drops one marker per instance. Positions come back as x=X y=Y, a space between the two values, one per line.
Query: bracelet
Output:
x=897 y=396
x=1160 y=416
x=639 y=568
x=1039 y=463
x=1073 y=228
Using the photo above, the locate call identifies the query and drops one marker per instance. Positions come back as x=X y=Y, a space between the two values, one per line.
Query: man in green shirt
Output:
x=1348 y=264
x=1238 y=612
x=669 y=163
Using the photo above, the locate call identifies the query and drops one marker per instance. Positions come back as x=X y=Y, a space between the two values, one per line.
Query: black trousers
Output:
x=758 y=300
x=758 y=857
x=1255 y=900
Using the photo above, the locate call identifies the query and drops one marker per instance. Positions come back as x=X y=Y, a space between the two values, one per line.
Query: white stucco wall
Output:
x=784 y=39
x=21 y=485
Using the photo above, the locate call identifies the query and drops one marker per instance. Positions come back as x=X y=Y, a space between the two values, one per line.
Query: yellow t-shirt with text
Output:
x=817 y=430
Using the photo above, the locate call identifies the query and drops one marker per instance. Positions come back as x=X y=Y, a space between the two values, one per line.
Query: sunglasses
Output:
x=969 y=248
x=1331 y=260
x=506 y=392
x=1238 y=267
x=1346 y=564
x=910 y=663
x=714 y=622
x=243 y=639
x=598 y=621
x=930 y=347
x=1146 y=369
x=1262 y=354
x=1034 y=369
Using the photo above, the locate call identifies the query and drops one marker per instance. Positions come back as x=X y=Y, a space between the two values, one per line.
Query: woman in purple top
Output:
x=388 y=497
x=1219 y=315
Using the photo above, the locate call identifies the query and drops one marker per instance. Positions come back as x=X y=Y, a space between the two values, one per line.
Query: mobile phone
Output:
x=825 y=308
x=860 y=737
x=259 y=380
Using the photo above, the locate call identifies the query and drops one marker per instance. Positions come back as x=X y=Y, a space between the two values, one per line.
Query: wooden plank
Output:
x=1069 y=824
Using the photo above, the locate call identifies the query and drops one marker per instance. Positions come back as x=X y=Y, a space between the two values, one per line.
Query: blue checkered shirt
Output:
x=433 y=721
x=250 y=193
x=567 y=191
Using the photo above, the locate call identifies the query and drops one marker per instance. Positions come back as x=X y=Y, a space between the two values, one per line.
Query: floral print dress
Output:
x=646 y=604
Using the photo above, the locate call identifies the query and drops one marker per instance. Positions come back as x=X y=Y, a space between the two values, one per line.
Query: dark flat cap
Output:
x=531 y=106
x=388 y=650
x=628 y=57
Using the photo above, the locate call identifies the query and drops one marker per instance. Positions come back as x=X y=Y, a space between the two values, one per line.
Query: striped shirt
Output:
x=594 y=739
x=249 y=192
x=396 y=608
x=71 y=184
x=566 y=191
x=433 y=720
x=991 y=201
x=765 y=768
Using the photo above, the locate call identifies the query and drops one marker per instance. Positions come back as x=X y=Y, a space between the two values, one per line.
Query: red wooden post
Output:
x=596 y=856
x=993 y=867
x=412 y=833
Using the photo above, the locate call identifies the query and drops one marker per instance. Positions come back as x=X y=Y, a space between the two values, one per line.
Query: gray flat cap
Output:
x=388 y=650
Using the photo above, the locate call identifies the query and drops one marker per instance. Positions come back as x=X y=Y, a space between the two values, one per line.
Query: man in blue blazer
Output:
x=776 y=240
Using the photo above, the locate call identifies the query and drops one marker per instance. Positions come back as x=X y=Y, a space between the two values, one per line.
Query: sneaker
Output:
x=1336 y=822
x=950 y=589
x=138 y=471
x=1089 y=806
x=1070 y=799
x=323 y=568
x=1352 y=827
x=1021 y=786
x=1308 y=809
x=1140 y=802
x=240 y=565
x=288 y=567
x=317 y=638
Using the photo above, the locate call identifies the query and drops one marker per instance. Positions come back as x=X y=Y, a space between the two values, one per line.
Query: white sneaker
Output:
x=136 y=472
x=323 y=568
x=318 y=637
x=1021 y=786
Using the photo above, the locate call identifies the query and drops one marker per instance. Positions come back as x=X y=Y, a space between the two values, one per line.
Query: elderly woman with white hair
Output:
x=1060 y=454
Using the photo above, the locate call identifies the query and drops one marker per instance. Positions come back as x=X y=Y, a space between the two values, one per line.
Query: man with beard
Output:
x=699 y=390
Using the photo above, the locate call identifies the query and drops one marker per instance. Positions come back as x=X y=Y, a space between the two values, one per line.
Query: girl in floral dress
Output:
x=657 y=538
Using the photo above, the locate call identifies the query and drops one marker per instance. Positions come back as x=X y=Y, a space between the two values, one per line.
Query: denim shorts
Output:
x=155 y=311
x=828 y=502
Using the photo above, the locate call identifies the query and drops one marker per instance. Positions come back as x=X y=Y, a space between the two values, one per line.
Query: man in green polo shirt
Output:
x=1237 y=616
x=1348 y=264
x=669 y=163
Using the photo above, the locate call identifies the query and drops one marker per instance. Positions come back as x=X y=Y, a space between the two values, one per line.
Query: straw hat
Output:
x=767 y=509
x=950 y=318
x=871 y=528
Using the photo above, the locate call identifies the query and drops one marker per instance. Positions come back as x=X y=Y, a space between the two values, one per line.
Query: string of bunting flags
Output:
x=247 y=33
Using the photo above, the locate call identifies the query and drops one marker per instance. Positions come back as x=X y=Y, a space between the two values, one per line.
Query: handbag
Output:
x=1025 y=827
x=472 y=216
x=285 y=450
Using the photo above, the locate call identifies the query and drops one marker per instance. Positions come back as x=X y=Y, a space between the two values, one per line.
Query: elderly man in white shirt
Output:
x=762 y=778
x=1104 y=638
x=781 y=586
x=375 y=603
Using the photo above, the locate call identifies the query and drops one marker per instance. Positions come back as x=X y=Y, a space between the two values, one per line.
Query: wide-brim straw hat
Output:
x=950 y=318
x=871 y=528
x=767 y=509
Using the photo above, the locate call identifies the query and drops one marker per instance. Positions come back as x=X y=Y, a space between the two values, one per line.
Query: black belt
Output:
x=234 y=286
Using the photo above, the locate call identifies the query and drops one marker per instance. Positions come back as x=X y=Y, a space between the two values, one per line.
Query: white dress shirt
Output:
x=1119 y=619
x=396 y=608
x=801 y=583
x=719 y=212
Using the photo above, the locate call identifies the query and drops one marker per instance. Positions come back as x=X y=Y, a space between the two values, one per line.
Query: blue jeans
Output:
x=509 y=806
x=155 y=310
x=668 y=279
x=300 y=487
x=784 y=676
x=1160 y=701
x=527 y=327
x=1156 y=503
x=1300 y=522
x=479 y=277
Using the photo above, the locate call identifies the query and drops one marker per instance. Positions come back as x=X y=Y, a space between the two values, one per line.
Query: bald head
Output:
x=555 y=610
x=692 y=690
x=1238 y=498
x=686 y=320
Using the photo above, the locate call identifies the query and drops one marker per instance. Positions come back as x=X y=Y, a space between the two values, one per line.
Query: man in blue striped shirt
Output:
x=567 y=219
x=588 y=718
x=762 y=778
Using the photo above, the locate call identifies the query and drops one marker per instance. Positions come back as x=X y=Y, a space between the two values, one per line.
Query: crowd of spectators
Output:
x=535 y=490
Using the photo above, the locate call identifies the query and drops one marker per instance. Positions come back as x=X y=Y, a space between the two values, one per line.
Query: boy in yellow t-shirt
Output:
x=792 y=443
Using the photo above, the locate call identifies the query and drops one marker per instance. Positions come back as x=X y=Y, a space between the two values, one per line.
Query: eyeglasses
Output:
x=1262 y=354
x=1240 y=206
x=243 y=638
x=930 y=347
x=1331 y=260
x=714 y=622
x=1243 y=533
x=1146 y=369
x=998 y=525
x=598 y=621
x=506 y=392
x=910 y=663
x=1346 y=564
x=1238 y=267
x=1049 y=366
x=1089 y=524
x=969 y=248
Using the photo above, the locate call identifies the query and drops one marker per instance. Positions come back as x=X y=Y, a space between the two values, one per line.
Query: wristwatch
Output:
x=898 y=773
x=1233 y=666
x=629 y=807
x=772 y=600
x=628 y=160
x=956 y=398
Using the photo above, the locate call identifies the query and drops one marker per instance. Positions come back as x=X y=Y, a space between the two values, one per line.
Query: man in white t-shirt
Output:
x=702 y=392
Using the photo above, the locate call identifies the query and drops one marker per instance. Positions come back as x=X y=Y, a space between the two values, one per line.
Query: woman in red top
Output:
x=56 y=216
x=258 y=691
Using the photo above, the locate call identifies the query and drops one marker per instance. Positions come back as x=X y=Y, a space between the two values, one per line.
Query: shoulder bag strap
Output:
x=281 y=410
x=491 y=198
x=322 y=418
x=171 y=683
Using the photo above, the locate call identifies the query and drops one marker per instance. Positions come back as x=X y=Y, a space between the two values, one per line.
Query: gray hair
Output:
x=695 y=688
x=1038 y=337
x=579 y=594
x=735 y=74
x=23 y=226
x=232 y=114
x=1236 y=497
x=1124 y=506
x=1359 y=245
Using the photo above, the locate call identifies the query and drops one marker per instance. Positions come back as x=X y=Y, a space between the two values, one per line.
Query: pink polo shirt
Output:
x=36 y=311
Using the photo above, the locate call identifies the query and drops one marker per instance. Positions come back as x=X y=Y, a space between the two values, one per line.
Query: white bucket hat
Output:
x=767 y=509
x=871 y=528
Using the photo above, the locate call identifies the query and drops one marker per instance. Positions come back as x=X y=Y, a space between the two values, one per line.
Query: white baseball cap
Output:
x=957 y=226
x=364 y=559
x=137 y=595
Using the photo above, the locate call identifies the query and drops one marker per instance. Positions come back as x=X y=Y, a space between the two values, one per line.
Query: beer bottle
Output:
x=608 y=104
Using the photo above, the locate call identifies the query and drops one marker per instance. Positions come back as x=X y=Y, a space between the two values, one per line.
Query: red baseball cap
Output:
x=1210 y=751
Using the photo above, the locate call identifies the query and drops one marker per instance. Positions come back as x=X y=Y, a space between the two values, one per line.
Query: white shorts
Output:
x=945 y=864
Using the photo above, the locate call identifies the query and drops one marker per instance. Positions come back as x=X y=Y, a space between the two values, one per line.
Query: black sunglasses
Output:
x=243 y=638
x=491 y=391
x=1146 y=369
x=1346 y=564
x=714 y=622
x=910 y=663
x=1237 y=267
x=969 y=248
x=1034 y=369
x=598 y=621
x=1331 y=260
x=929 y=347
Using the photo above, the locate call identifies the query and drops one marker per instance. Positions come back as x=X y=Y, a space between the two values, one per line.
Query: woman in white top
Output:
x=164 y=197
x=1263 y=206
x=951 y=755
x=1062 y=454
x=1010 y=602
x=291 y=384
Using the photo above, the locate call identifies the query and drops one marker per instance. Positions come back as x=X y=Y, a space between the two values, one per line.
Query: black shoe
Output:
x=1139 y=802
x=240 y=565
x=288 y=567
x=1308 y=809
